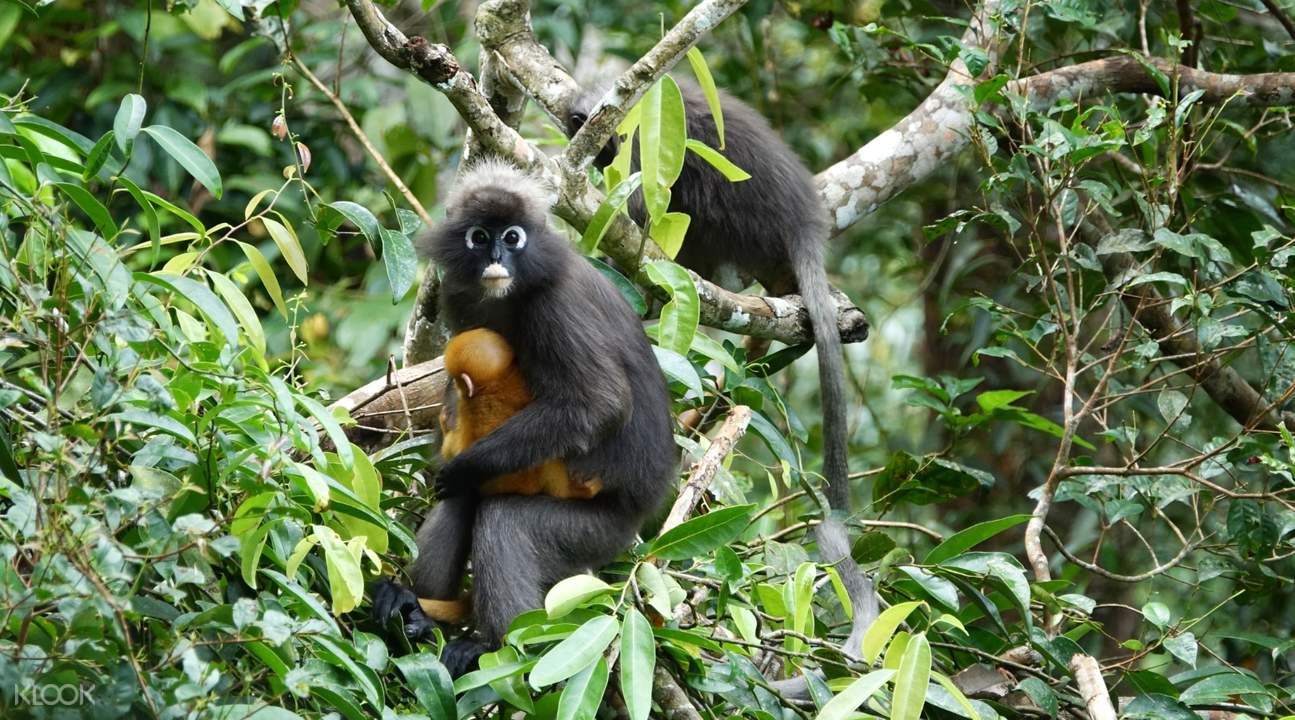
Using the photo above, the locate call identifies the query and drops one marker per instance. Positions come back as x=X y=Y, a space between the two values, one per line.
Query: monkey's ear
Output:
x=575 y=121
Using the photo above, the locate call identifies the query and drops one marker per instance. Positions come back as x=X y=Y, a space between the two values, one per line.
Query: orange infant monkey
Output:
x=488 y=389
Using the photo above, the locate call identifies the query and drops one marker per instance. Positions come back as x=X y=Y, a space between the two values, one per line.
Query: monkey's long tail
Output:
x=831 y=535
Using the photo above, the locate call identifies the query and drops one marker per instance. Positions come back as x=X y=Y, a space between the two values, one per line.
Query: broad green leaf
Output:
x=992 y=400
x=708 y=347
x=295 y=558
x=627 y=289
x=286 y=238
x=242 y=309
x=676 y=367
x=679 y=316
x=578 y=651
x=343 y=655
x=401 y=261
x=345 y=580
x=325 y=418
x=251 y=712
x=158 y=201
x=712 y=156
x=1157 y=614
x=707 y=84
x=638 y=660
x=850 y=699
x=1219 y=688
x=879 y=633
x=651 y=581
x=201 y=297
x=571 y=592
x=366 y=485
x=607 y=211
x=957 y=694
x=360 y=217
x=1183 y=646
x=190 y=157
x=431 y=684
x=583 y=694
x=662 y=137
x=911 y=680
x=700 y=535
x=129 y=119
x=965 y=540
x=91 y=206
x=98 y=156
x=263 y=270
x=668 y=232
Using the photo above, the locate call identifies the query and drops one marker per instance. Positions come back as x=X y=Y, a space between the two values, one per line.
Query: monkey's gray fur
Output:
x=601 y=405
x=771 y=227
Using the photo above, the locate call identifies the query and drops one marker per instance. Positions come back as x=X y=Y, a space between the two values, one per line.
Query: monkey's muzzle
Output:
x=496 y=279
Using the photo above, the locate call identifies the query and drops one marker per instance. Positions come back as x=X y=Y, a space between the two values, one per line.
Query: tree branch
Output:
x=630 y=86
x=504 y=27
x=1088 y=676
x=782 y=319
x=703 y=471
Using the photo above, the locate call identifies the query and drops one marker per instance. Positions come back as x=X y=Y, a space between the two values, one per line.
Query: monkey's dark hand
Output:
x=392 y=601
x=460 y=656
x=455 y=478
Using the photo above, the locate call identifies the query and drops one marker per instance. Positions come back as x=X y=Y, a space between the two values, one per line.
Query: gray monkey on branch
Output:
x=773 y=228
x=600 y=405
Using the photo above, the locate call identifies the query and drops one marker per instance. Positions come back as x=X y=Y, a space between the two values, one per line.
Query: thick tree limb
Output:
x=630 y=86
x=504 y=27
x=1088 y=676
x=404 y=401
x=782 y=319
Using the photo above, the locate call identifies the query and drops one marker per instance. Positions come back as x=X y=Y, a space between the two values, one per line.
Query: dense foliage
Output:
x=200 y=254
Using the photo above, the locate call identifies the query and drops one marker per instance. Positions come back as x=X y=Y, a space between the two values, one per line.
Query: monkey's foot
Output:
x=461 y=655
x=393 y=601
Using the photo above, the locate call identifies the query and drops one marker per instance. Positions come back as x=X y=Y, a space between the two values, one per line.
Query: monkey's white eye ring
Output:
x=515 y=237
x=476 y=237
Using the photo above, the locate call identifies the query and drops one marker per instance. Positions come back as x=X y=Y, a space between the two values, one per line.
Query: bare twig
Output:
x=359 y=134
x=703 y=471
x=1275 y=10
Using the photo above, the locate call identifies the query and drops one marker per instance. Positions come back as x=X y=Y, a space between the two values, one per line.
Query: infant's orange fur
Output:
x=489 y=389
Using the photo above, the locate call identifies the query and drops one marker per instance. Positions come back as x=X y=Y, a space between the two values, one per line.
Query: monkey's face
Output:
x=493 y=242
x=496 y=249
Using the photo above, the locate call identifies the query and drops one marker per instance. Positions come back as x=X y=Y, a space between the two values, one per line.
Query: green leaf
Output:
x=679 y=316
x=627 y=289
x=848 y=700
x=965 y=540
x=662 y=137
x=360 y=217
x=992 y=400
x=251 y=712
x=263 y=270
x=700 y=535
x=718 y=161
x=345 y=580
x=8 y=468
x=91 y=206
x=607 y=211
x=202 y=298
x=286 y=238
x=1219 y=688
x=583 y=694
x=1157 y=614
x=158 y=201
x=242 y=309
x=571 y=592
x=958 y=697
x=98 y=156
x=401 y=261
x=638 y=661
x=911 y=680
x=325 y=418
x=707 y=84
x=431 y=683
x=668 y=232
x=676 y=367
x=190 y=157
x=130 y=116
x=1183 y=646
x=881 y=629
x=577 y=652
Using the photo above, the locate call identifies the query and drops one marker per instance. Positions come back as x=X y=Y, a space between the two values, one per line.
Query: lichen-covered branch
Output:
x=703 y=472
x=916 y=146
x=1088 y=676
x=504 y=28
x=781 y=319
x=630 y=86
x=939 y=128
